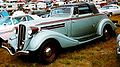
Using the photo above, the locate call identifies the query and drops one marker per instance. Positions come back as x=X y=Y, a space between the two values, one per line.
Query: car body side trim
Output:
x=67 y=19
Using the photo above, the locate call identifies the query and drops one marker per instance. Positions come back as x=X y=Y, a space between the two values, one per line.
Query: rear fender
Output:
x=44 y=35
x=102 y=24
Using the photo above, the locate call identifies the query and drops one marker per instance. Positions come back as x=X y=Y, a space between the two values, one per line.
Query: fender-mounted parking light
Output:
x=33 y=30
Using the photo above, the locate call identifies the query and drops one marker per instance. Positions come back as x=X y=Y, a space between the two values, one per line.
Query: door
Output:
x=83 y=24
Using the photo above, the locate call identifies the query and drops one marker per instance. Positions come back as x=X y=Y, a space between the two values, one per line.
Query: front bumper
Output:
x=12 y=51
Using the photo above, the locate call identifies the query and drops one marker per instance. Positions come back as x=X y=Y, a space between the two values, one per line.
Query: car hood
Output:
x=39 y=21
x=51 y=20
x=4 y=28
x=5 y=31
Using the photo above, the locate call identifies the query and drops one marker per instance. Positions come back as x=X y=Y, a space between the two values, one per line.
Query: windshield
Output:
x=60 y=12
x=9 y=21
x=106 y=7
x=5 y=20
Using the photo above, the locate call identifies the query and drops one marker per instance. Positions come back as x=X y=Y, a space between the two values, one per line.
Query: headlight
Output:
x=30 y=32
x=15 y=30
x=33 y=30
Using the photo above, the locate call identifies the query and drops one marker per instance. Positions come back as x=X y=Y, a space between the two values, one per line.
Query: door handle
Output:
x=73 y=22
x=93 y=25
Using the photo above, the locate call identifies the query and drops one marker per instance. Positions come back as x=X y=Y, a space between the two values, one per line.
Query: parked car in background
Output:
x=3 y=13
x=18 y=12
x=12 y=6
x=113 y=2
x=41 y=5
x=111 y=9
x=21 y=13
x=98 y=6
x=38 y=8
x=66 y=26
x=8 y=23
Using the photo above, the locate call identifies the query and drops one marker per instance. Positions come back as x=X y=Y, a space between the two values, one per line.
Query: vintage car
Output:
x=66 y=26
x=110 y=10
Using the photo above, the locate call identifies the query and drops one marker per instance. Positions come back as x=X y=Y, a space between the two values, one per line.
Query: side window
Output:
x=84 y=9
x=75 y=10
x=115 y=7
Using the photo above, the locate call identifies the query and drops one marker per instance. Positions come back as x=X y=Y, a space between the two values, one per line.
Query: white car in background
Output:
x=8 y=23
x=17 y=13
x=21 y=13
x=109 y=10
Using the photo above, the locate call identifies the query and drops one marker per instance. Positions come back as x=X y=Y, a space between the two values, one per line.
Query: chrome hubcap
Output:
x=48 y=51
x=118 y=50
x=107 y=35
x=106 y=32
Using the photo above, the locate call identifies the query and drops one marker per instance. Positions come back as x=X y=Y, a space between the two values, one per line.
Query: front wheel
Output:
x=118 y=53
x=47 y=52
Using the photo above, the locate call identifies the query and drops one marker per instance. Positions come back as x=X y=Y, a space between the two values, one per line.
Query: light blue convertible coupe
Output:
x=67 y=25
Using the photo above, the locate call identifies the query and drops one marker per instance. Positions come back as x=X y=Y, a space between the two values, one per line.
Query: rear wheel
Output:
x=47 y=53
x=107 y=33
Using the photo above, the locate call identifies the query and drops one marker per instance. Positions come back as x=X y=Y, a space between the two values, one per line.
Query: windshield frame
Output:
x=65 y=13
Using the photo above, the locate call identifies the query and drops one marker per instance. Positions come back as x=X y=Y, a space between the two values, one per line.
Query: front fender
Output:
x=44 y=35
x=102 y=24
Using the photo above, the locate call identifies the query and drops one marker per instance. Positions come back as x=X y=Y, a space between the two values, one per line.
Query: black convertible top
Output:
x=90 y=5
